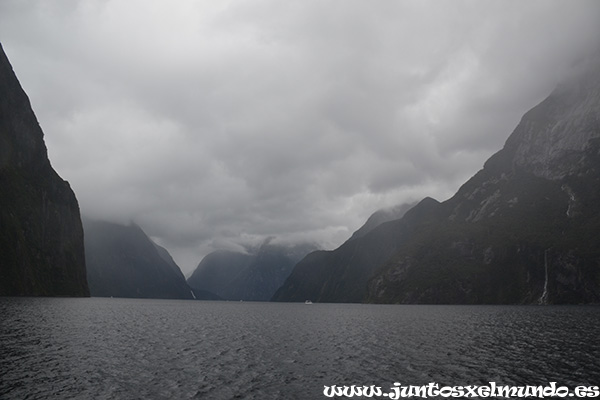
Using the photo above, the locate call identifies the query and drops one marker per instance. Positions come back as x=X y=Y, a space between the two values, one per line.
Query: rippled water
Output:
x=167 y=349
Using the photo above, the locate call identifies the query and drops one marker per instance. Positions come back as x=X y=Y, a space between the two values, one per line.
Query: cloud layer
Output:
x=215 y=124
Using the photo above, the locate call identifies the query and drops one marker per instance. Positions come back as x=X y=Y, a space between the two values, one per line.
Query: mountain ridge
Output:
x=522 y=230
x=122 y=261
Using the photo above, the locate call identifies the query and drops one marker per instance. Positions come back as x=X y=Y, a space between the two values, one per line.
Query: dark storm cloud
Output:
x=217 y=124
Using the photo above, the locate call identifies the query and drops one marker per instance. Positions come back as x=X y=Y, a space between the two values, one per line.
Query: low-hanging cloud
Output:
x=218 y=124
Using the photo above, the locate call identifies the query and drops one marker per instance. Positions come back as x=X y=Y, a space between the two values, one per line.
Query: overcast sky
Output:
x=213 y=124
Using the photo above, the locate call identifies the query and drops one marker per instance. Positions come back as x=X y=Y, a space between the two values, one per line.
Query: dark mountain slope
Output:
x=524 y=229
x=122 y=261
x=341 y=275
x=217 y=270
x=381 y=216
x=41 y=237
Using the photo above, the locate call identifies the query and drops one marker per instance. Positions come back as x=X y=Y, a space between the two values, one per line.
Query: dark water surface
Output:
x=167 y=349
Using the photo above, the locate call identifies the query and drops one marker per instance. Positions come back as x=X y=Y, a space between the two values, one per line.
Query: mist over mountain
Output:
x=122 y=261
x=381 y=216
x=524 y=229
x=340 y=275
x=251 y=276
x=41 y=237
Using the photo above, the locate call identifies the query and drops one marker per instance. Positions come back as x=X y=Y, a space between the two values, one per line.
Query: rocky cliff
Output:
x=41 y=237
x=524 y=229
x=122 y=261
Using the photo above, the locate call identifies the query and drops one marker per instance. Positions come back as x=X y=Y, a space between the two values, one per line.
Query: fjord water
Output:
x=102 y=348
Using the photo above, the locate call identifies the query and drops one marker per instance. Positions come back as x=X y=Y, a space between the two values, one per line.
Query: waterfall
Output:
x=193 y=295
x=544 y=297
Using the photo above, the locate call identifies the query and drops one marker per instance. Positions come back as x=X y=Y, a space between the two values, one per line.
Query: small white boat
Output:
x=308 y=302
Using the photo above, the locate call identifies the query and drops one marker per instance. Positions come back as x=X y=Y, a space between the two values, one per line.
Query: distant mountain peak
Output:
x=122 y=261
x=251 y=276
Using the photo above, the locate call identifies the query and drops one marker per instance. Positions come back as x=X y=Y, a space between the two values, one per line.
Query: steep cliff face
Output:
x=41 y=236
x=524 y=229
x=252 y=276
x=553 y=137
x=122 y=261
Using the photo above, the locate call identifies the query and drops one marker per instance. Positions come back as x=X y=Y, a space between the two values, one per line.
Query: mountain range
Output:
x=253 y=275
x=524 y=230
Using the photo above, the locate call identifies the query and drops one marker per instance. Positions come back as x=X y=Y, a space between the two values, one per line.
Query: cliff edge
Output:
x=41 y=236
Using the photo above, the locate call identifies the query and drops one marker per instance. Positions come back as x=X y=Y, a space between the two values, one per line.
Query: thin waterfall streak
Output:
x=544 y=297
